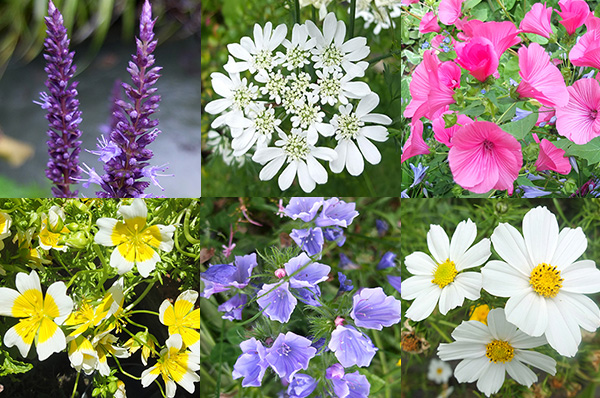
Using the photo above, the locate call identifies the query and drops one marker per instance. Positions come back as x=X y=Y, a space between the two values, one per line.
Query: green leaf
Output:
x=470 y=4
x=376 y=382
x=481 y=12
x=11 y=367
x=536 y=38
x=589 y=151
x=520 y=128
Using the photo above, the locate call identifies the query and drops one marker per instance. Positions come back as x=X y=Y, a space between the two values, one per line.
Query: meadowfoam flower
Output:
x=175 y=366
x=350 y=127
x=545 y=284
x=183 y=319
x=82 y=355
x=103 y=343
x=134 y=240
x=439 y=371
x=489 y=351
x=441 y=278
x=257 y=54
x=51 y=237
x=40 y=316
x=373 y=309
x=301 y=155
x=5 y=223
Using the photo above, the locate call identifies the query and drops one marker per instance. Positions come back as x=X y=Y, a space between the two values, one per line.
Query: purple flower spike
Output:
x=233 y=307
x=335 y=234
x=351 y=347
x=395 y=281
x=251 y=365
x=280 y=302
x=372 y=309
x=387 y=261
x=310 y=240
x=303 y=208
x=134 y=130
x=301 y=386
x=310 y=275
x=289 y=354
x=336 y=212
x=63 y=107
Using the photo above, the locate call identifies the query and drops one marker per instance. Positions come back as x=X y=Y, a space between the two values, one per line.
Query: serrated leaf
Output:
x=520 y=128
x=589 y=151
x=10 y=367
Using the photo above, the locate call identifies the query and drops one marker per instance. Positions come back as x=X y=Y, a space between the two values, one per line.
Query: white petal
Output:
x=56 y=343
x=338 y=164
x=475 y=256
x=369 y=150
x=354 y=160
x=469 y=284
x=491 y=379
x=450 y=298
x=509 y=244
x=287 y=177
x=563 y=333
x=145 y=267
x=522 y=341
x=329 y=27
x=498 y=326
x=424 y=305
x=540 y=231
x=355 y=44
x=271 y=168
x=413 y=286
x=58 y=292
x=581 y=277
x=571 y=245
x=536 y=359
x=469 y=370
x=376 y=118
x=278 y=36
x=356 y=89
x=7 y=300
x=528 y=311
x=263 y=155
x=137 y=209
x=472 y=332
x=462 y=239
x=238 y=51
x=461 y=350
x=217 y=106
x=105 y=230
x=188 y=380
x=118 y=261
x=324 y=153
x=583 y=309
x=521 y=373
x=147 y=377
x=438 y=243
x=367 y=104
x=375 y=133
x=26 y=282
x=340 y=34
x=307 y=183
x=316 y=170
x=500 y=279
x=419 y=263
x=12 y=338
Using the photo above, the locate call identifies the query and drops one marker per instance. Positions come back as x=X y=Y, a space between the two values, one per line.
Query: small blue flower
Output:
x=382 y=226
x=552 y=119
x=588 y=75
x=387 y=261
x=520 y=114
x=335 y=234
x=513 y=82
x=446 y=40
x=345 y=284
x=404 y=195
x=542 y=124
x=419 y=173
x=301 y=386
x=533 y=192
x=483 y=91
x=425 y=45
x=445 y=48
x=310 y=240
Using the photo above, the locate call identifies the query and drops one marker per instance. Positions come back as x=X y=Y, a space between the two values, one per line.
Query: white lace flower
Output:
x=264 y=124
x=349 y=127
x=332 y=54
x=275 y=84
x=335 y=87
x=257 y=55
x=309 y=117
x=441 y=278
x=220 y=145
x=299 y=49
x=545 y=284
x=297 y=91
x=321 y=5
x=237 y=95
x=301 y=156
x=489 y=351
x=381 y=15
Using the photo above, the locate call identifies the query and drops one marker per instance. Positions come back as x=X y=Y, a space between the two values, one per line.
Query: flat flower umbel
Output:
x=40 y=316
x=440 y=279
x=134 y=240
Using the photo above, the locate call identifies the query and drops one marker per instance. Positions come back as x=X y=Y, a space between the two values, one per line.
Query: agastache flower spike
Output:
x=62 y=106
x=135 y=130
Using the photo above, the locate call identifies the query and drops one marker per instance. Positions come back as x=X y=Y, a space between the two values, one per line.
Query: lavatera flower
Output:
x=134 y=240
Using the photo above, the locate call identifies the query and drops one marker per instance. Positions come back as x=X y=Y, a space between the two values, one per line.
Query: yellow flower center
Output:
x=545 y=280
x=444 y=273
x=439 y=371
x=499 y=351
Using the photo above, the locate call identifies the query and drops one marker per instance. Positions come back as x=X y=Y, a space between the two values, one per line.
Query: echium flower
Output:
x=135 y=130
x=62 y=106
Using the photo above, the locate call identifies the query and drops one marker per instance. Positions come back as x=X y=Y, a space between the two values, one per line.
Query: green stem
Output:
x=143 y=312
x=218 y=390
x=122 y=371
x=136 y=302
x=383 y=361
x=75 y=386
x=352 y=17
x=385 y=56
x=441 y=333
x=297 y=11
x=186 y=227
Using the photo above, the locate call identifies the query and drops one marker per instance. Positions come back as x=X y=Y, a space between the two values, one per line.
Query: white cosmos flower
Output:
x=489 y=351
x=545 y=284
x=264 y=124
x=298 y=51
x=301 y=155
x=336 y=87
x=237 y=95
x=441 y=278
x=349 y=127
x=258 y=54
x=332 y=54
x=439 y=371
x=308 y=116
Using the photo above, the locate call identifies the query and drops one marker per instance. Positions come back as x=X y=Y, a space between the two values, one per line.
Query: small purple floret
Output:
x=301 y=386
x=233 y=307
x=351 y=347
x=290 y=353
x=335 y=234
x=387 y=261
x=303 y=208
x=251 y=365
x=336 y=212
x=278 y=303
x=373 y=309
x=310 y=240
x=309 y=275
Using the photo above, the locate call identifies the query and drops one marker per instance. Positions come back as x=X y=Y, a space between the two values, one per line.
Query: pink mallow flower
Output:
x=485 y=157
x=545 y=115
x=502 y=34
x=429 y=23
x=443 y=134
x=551 y=157
x=587 y=50
x=541 y=79
x=579 y=120
x=431 y=87
x=537 y=20
x=449 y=11
x=574 y=14
x=478 y=57
x=415 y=145
x=592 y=22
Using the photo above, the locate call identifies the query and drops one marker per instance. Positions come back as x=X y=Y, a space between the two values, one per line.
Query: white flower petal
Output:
x=583 y=309
x=500 y=279
x=238 y=51
x=287 y=177
x=469 y=284
x=499 y=327
x=536 y=359
x=145 y=267
x=217 y=106
x=413 y=286
x=271 y=168
x=509 y=244
x=12 y=338
x=369 y=150
x=58 y=293
x=375 y=133
x=563 y=332
x=581 y=277
x=316 y=170
x=571 y=245
x=528 y=311
x=354 y=160
x=307 y=183
x=469 y=370
x=55 y=343
x=492 y=378
x=450 y=298
x=137 y=209
x=376 y=118
x=419 y=263
x=521 y=373
x=424 y=305
x=7 y=300
x=472 y=332
x=118 y=261
x=461 y=350
x=337 y=165
x=521 y=340
x=462 y=239
x=540 y=231
x=438 y=243
x=265 y=154
x=368 y=103
x=475 y=256
x=105 y=230
x=26 y=282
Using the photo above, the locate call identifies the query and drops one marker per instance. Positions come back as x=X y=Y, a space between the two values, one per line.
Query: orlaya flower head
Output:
x=502 y=34
x=304 y=208
x=373 y=309
x=440 y=277
x=485 y=157
x=257 y=54
x=430 y=89
x=290 y=353
x=307 y=273
x=489 y=351
x=444 y=134
x=415 y=145
x=277 y=301
x=301 y=386
x=429 y=23
x=298 y=50
x=478 y=57
x=351 y=347
x=310 y=240
x=537 y=20
x=336 y=212
x=586 y=51
x=574 y=14
x=350 y=385
x=541 y=79
x=222 y=277
x=579 y=120
x=449 y=11
x=543 y=280
x=251 y=365
x=551 y=157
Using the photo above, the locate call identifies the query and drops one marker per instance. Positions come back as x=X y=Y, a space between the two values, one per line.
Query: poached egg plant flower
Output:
x=134 y=240
x=40 y=316
x=183 y=319
x=545 y=284
x=489 y=351
x=441 y=278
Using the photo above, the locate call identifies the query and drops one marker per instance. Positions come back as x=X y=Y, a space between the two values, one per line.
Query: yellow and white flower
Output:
x=40 y=316
x=103 y=344
x=52 y=230
x=175 y=366
x=82 y=355
x=120 y=393
x=134 y=240
x=143 y=340
x=5 y=223
x=183 y=319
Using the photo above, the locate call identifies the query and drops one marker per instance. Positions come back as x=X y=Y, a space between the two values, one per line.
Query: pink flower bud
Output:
x=339 y=321
x=280 y=273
